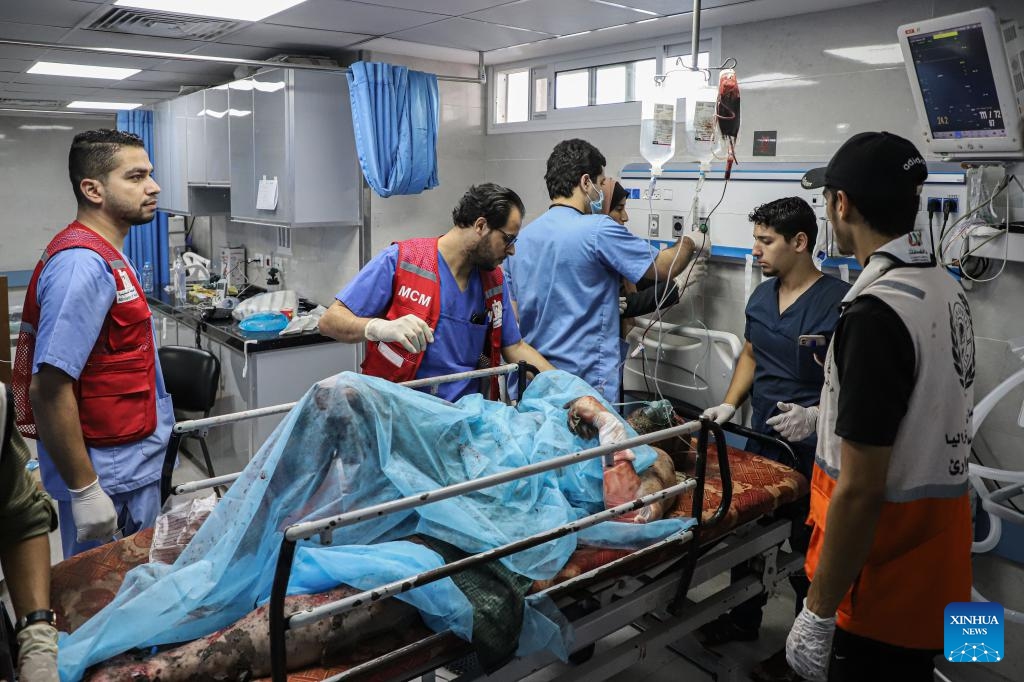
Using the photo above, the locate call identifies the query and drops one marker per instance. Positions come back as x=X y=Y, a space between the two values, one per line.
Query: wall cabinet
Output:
x=190 y=147
x=170 y=165
x=295 y=127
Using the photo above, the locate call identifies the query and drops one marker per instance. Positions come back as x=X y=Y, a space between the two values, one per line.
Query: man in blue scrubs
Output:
x=569 y=263
x=100 y=489
x=486 y=226
x=782 y=377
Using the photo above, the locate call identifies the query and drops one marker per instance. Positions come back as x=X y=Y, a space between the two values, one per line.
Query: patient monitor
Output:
x=967 y=82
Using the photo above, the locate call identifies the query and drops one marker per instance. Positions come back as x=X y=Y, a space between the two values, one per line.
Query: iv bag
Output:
x=701 y=125
x=658 y=127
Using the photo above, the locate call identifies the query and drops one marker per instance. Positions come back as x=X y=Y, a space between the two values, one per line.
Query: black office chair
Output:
x=191 y=376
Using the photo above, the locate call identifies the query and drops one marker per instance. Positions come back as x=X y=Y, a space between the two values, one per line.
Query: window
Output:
x=572 y=89
x=540 y=95
x=594 y=87
x=610 y=84
x=512 y=96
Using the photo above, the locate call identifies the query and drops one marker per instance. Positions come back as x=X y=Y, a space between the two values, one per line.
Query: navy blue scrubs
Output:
x=787 y=372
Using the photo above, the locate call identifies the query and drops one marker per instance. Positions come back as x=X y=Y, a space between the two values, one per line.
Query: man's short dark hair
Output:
x=788 y=216
x=489 y=200
x=569 y=161
x=93 y=155
x=891 y=216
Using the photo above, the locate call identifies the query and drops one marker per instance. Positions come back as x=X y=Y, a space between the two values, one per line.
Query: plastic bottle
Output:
x=179 y=277
x=658 y=127
x=147 y=277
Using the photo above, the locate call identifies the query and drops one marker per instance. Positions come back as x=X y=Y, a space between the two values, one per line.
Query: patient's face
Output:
x=774 y=254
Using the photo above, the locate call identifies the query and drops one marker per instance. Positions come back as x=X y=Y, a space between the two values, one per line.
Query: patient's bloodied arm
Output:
x=589 y=418
x=242 y=650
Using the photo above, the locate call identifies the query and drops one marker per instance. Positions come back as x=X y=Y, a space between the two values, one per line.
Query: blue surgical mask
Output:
x=596 y=205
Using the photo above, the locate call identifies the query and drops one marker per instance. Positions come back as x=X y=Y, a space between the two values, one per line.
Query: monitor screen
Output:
x=955 y=77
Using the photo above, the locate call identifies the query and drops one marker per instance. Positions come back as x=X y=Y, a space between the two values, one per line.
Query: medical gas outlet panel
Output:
x=661 y=215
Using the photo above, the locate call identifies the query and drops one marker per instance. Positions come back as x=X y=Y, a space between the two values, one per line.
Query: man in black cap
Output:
x=891 y=523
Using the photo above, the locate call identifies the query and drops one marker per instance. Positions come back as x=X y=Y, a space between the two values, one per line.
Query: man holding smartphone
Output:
x=789 y=321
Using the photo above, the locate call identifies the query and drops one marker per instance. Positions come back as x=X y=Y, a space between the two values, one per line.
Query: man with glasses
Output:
x=436 y=306
x=569 y=264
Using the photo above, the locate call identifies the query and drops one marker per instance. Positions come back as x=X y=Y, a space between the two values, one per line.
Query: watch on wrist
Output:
x=40 y=616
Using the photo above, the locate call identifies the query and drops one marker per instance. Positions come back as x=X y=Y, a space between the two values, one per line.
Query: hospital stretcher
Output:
x=600 y=591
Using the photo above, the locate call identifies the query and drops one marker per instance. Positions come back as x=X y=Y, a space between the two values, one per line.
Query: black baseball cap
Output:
x=872 y=164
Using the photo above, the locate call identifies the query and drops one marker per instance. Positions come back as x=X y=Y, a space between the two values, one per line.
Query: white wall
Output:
x=35 y=191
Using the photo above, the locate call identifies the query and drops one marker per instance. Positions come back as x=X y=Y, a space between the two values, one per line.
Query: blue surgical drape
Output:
x=147 y=243
x=395 y=116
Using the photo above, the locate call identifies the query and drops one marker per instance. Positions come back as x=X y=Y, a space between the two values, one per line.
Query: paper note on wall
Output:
x=266 y=197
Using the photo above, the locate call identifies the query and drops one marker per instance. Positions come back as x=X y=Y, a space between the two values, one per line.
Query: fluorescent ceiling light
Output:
x=243 y=10
x=106 y=106
x=109 y=73
x=870 y=54
x=615 y=4
x=48 y=127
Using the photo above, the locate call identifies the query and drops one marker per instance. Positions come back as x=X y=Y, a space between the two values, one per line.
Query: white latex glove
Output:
x=95 y=517
x=413 y=333
x=692 y=275
x=610 y=430
x=37 y=653
x=809 y=645
x=622 y=304
x=794 y=422
x=721 y=413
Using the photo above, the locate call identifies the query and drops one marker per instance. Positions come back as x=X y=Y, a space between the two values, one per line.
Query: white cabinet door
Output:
x=195 y=137
x=218 y=161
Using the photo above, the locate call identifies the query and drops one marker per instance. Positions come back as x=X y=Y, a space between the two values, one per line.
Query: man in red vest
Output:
x=434 y=306
x=87 y=381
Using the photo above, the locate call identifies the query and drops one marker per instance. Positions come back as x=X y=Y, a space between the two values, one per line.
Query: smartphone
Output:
x=810 y=356
x=812 y=341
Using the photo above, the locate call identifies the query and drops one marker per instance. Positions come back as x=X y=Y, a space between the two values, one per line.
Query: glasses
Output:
x=509 y=238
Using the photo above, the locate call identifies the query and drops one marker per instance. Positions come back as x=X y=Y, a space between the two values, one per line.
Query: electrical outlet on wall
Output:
x=654 y=225
x=677 y=225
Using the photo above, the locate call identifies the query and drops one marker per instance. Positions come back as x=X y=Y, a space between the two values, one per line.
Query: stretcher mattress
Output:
x=84 y=584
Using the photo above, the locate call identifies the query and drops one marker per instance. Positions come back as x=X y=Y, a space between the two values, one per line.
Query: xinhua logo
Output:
x=973 y=632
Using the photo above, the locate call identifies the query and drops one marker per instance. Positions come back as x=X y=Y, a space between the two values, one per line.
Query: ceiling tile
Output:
x=452 y=8
x=666 y=7
x=61 y=13
x=293 y=39
x=468 y=34
x=563 y=17
x=351 y=17
x=11 y=30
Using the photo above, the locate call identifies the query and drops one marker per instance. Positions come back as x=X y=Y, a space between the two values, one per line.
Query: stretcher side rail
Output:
x=660 y=552
x=192 y=425
x=280 y=622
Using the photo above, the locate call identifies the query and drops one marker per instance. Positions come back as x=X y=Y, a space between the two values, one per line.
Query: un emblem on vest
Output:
x=962 y=337
x=973 y=632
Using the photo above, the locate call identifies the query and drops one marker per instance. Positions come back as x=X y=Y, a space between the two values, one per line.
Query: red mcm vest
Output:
x=417 y=290
x=116 y=392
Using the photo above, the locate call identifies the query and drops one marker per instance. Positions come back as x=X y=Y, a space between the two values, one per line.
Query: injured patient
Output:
x=351 y=442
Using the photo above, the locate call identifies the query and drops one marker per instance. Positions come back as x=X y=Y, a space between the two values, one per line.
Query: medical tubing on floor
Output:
x=279 y=623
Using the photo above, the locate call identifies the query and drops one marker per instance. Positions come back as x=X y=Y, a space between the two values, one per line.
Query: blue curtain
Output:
x=394 y=114
x=147 y=243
